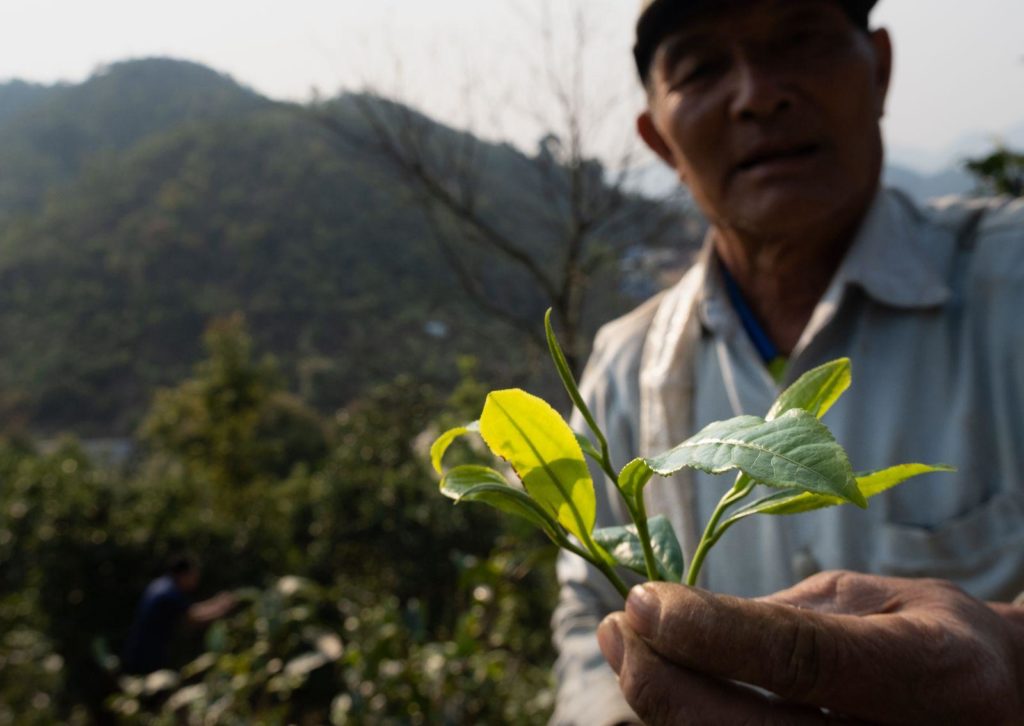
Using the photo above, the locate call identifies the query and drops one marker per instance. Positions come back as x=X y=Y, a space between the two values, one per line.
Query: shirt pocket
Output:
x=982 y=550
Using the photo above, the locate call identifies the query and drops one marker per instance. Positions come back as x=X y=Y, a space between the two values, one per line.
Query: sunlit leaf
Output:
x=633 y=478
x=196 y=693
x=815 y=391
x=793 y=451
x=302 y=665
x=876 y=482
x=623 y=544
x=442 y=442
x=528 y=433
x=482 y=484
x=200 y=665
x=794 y=501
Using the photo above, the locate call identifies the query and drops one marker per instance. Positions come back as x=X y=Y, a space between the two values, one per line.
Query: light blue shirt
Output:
x=930 y=310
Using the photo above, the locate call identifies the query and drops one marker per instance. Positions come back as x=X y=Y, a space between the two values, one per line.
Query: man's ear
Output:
x=882 y=44
x=653 y=138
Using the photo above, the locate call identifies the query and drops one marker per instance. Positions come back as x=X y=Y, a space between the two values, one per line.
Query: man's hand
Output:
x=209 y=610
x=882 y=650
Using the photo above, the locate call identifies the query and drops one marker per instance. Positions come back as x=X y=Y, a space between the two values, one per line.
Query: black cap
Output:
x=661 y=17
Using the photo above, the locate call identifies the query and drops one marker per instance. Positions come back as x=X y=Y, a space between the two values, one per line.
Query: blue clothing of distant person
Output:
x=160 y=613
x=164 y=606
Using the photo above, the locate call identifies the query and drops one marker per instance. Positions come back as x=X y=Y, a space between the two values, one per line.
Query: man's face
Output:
x=769 y=110
x=188 y=580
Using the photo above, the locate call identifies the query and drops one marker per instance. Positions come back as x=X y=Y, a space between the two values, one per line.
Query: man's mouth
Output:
x=768 y=156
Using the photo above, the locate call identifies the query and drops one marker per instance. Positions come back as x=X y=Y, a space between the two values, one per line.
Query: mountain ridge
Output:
x=47 y=133
x=130 y=244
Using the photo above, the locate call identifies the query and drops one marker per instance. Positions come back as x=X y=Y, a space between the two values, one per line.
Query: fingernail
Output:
x=609 y=637
x=643 y=608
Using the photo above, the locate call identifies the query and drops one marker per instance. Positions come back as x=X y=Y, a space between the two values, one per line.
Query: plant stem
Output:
x=740 y=489
x=593 y=555
x=610 y=573
x=702 y=551
x=743 y=486
x=572 y=388
x=606 y=467
x=594 y=559
x=639 y=513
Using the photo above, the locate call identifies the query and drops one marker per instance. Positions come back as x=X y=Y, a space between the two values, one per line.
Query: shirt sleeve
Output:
x=174 y=604
x=588 y=689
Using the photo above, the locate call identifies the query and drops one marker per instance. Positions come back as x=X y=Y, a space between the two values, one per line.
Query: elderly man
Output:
x=769 y=112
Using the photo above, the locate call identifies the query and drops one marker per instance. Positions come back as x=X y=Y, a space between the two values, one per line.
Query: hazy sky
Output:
x=959 y=70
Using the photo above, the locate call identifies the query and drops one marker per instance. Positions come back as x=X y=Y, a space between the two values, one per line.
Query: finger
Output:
x=662 y=692
x=845 y=593
x=850 y=664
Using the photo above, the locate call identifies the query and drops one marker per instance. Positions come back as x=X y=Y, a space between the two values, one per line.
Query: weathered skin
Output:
x=875 y=649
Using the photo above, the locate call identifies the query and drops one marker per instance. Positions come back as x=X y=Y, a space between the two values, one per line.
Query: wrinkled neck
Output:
x=782 y=280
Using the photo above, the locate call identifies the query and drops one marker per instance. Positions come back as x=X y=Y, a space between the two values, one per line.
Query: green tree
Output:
x=70 y=547
x=233 y=420
x=372 y=600
x=1000 y=172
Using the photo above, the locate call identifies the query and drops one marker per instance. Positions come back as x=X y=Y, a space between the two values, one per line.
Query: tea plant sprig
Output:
x=789 y=452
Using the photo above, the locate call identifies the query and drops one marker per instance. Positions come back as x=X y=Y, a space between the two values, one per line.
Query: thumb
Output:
x=662 y=692
x=795 y=653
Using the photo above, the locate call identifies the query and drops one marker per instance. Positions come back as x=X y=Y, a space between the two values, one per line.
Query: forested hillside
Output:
x=158 y=200
x=48 y=134
x=159 y=195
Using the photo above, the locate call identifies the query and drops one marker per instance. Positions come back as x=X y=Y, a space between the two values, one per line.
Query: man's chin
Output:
x=788 y=211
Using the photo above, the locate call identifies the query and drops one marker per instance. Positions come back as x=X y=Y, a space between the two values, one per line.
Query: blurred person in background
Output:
x=769 y=112
x=164 y=607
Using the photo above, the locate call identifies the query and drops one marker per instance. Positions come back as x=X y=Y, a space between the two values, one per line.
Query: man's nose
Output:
x=761 y=90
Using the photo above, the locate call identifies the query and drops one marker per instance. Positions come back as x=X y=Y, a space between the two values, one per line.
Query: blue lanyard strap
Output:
x=764 y=345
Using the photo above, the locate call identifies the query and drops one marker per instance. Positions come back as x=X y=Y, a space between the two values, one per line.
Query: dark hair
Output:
x=664 y=18
x=181 y=563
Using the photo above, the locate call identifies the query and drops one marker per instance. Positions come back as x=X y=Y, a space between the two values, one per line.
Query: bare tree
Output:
x=585 y=208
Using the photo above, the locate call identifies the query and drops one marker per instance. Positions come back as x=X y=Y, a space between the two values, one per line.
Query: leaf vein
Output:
x=761 y=449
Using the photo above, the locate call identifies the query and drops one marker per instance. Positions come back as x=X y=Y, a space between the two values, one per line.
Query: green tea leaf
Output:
x=442 y=442
x=788 y=501
x=793 y=451
x=633 y=478
x=483 y=484
x=794 y=501
x=588 y=447
x=528 y=433
x=569 y=381
x=815 y=391
x=876 y=482
x=623 y=544
x=458 y=482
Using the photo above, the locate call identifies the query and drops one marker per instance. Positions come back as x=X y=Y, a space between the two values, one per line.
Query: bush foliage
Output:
x=364 y=597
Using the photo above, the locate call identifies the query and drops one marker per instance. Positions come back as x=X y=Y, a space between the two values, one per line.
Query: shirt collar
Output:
x=892 y=259
x=714 y=308
x=889 y=259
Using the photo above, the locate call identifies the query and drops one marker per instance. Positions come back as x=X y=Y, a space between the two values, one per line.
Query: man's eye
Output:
x=696 y=71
